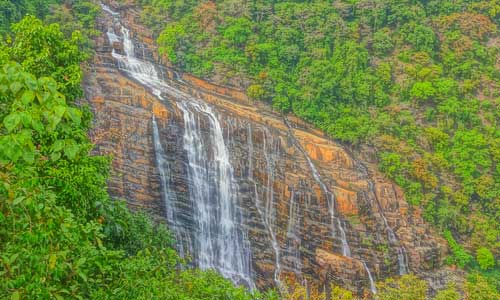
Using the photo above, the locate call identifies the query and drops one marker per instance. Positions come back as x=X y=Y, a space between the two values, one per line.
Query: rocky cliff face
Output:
x=295 y=203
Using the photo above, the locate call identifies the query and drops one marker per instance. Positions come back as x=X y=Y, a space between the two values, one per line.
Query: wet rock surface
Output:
x=284 y=210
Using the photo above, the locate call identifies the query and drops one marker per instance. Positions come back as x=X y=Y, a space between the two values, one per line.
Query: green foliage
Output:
x=169 y=40
x=407 y=287
x=485 y=258
x=382 y=42
x=450 y=293
x=13 y=11
x=44 y=51
x=478 y=288
x=38 y=113
x=459 y=254
x=421 y=37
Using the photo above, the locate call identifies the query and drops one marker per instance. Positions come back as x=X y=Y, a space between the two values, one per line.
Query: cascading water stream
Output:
x=391 y=236
x=219 y=243
x=168 y=195
x=373 y=289
x=345 y=246
x=267 y=212
x=346 y=251
x=213 y=192
x=292 y=234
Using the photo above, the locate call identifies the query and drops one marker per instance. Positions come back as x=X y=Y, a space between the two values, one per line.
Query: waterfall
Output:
x=109 y=10
x=213 y=192
x=168 y=195
x=269 y=208
x=346 y=251
x=219 y=243
x=402 y=261
x=266 y=211
x=292 y=234
x=391 y=236
x=370 y=278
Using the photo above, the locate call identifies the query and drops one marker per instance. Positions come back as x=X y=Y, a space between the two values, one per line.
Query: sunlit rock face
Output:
x=244 y=191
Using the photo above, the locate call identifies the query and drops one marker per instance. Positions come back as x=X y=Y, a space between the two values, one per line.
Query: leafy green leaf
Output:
x=18 y=200
x=29 y=156
x=37 y=125
x=60 y=110
x=75 y=115
x=26 y=119
x=11 y=121
x=71 y=150
x=31 y=82
x=15 y=87
x=57 y=146
x=55 y=156
x=27 y=97
x=15 y=296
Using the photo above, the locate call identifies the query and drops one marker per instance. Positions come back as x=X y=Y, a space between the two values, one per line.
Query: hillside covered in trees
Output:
x=418 y=81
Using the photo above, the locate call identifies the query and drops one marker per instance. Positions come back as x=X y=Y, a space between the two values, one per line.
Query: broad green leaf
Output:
x=59 y=111
x=53 y=122
x=29 y=156
x=15 y=296
x=18 y=200
x=27 y=97
x=71 y=150
x=11 y=121
x=16 y=87
x=57 y=146
x=55 y=156
x=31 y=82
x=75 y=115
x=26 y=119
x=37 y=125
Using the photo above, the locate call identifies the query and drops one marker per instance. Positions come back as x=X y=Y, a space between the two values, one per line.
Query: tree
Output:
x=485 y=258
x=459 y=255
x=407 y=287
x=382 y=42
x=422 y=91
x=421 y=37
x=478 y=288
x=237 y=31
x=450 y=293
x=170 y=39
x=44 y=51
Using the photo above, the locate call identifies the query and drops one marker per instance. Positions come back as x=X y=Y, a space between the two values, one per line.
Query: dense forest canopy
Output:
x=419 y=81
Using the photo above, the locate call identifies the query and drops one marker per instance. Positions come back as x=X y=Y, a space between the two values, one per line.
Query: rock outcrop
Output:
x=281 y=201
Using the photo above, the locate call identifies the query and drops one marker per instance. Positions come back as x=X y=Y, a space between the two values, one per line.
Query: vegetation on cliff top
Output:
x=418 y=81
